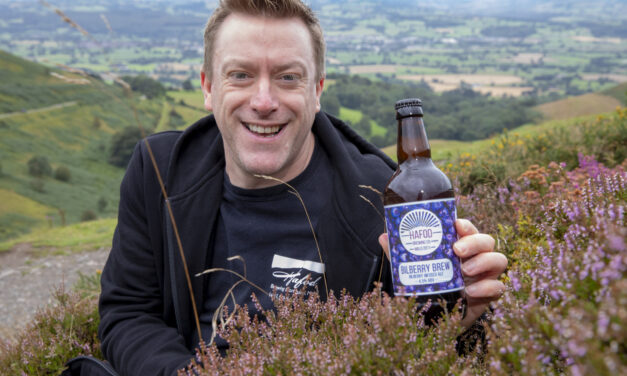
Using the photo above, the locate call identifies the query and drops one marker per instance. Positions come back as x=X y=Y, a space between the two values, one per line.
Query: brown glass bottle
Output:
x=420 y=215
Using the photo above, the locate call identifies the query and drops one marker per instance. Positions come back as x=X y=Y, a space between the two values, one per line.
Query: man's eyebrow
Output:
x=289 y=66
x=242 y=63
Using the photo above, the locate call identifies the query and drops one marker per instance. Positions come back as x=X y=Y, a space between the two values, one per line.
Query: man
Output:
x=262 y=78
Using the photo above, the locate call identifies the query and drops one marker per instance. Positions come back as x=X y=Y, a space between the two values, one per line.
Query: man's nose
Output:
x=264 y=102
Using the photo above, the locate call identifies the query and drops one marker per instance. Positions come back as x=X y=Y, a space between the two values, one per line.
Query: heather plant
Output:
x=566 y=307
x=63 y=330
x=343 y=335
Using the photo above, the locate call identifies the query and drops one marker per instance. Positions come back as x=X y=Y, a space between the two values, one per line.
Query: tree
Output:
x=330 y=103
x=145 y=85
x=62 y=173
x=187 y=85
x=122 y=145
x=39 y=166
x=88 y=215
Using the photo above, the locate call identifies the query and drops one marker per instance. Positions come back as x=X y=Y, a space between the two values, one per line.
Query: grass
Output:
x=84 y=236
x=77 y=137
x=350 y=115
x=587 y=104
x=192 y=98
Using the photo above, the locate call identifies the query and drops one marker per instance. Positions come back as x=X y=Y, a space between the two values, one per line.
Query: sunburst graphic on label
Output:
x=420 y=232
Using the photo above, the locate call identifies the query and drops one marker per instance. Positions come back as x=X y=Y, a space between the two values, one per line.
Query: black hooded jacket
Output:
x=145 y=307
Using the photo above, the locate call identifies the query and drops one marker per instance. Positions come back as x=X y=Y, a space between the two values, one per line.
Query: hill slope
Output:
x=68 y=119
x=582 y=105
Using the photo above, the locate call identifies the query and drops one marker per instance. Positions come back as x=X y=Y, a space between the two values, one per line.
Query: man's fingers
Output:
x=488 y=264
x=471 y=245
x=464 y=227
x=488 y=289
x=383 y=241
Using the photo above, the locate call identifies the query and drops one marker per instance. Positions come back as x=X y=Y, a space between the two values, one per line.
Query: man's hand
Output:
x=481 y=267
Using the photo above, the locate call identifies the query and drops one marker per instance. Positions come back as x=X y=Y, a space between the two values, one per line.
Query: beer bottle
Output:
x=420 y=218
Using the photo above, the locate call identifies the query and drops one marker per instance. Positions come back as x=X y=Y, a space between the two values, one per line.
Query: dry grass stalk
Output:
x=106 y=22
x=313 y=232
x=66 y=19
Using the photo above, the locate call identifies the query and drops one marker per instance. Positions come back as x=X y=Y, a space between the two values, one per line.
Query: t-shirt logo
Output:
x=295 y=274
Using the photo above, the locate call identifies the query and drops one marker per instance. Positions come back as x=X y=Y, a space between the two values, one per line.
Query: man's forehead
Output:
x=289 y=39
x=235 y=25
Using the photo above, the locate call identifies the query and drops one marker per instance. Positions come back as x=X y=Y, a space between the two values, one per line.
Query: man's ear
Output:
x=205 y=85
x=319 y=88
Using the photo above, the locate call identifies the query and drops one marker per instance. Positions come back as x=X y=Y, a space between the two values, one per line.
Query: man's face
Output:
x=264 y=95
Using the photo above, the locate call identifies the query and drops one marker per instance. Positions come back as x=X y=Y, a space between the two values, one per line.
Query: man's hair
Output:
x=267 y=8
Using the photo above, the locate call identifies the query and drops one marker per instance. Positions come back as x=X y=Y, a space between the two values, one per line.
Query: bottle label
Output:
x=421 y=236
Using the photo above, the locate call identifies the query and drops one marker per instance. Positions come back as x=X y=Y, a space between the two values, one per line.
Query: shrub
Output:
x=122 y=144
x=102 y=204
x=88 y=215
x=58 y=333
x=145 y=85
x=39 y=166
x=97 y=122
x=38 y=185
x=62 y=173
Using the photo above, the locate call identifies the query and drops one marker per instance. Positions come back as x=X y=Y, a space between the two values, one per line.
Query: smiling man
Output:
x=262 y=78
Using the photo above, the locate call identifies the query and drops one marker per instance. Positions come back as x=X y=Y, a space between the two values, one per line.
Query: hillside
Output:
x=69 y=119
x=582 y=105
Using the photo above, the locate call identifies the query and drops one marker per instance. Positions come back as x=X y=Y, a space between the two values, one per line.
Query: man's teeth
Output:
x=263 y=130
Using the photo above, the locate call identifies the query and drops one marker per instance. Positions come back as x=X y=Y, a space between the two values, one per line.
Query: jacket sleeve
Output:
x=135 y=338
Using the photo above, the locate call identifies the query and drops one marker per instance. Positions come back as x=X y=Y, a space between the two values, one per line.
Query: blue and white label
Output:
x=425 y=272
x=420 y=232
x=421 y=236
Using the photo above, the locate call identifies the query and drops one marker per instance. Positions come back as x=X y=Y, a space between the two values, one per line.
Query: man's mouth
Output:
x=264 y=131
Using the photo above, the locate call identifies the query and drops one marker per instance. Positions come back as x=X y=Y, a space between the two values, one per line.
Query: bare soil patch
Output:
x=27 y=281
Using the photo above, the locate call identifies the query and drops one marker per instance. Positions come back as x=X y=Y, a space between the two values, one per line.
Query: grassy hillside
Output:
x=75 y=135
x=619 y=92
x=587 y=104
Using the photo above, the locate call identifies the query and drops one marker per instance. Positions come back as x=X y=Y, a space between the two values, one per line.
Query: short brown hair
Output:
x=269 y=8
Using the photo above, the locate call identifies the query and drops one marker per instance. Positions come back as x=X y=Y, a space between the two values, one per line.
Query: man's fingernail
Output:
x=471 y=289
x=469 y=266
x=460 y=250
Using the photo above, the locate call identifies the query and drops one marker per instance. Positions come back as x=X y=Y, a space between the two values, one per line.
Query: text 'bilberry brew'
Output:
x=420 y=217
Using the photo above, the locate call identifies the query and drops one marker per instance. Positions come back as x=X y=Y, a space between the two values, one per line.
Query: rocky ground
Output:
x=28 y=279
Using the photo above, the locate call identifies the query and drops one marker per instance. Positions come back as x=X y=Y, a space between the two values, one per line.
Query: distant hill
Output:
x=557 y=114
x=69 y=119
x=582 y=105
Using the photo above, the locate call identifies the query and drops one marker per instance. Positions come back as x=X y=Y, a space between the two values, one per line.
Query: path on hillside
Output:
x=27 y=281
x=41 y=109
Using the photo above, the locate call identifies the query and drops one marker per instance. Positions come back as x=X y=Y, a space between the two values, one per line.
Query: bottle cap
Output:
x=408 y=107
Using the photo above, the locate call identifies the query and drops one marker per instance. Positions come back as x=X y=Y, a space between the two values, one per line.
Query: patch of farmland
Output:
x=587 y=39
x=503 y=91
x=374 y=68
x=472 y=79
x=495 y=85
x=620 y=78
x=526 y=58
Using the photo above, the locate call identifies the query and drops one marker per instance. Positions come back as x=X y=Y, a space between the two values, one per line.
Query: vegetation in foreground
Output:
x=560 y=221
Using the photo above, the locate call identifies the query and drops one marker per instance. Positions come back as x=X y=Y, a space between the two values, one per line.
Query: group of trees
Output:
x=145 y=85
x=461 y=114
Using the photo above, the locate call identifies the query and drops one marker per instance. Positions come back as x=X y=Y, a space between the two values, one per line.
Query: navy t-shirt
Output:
x=264 y=234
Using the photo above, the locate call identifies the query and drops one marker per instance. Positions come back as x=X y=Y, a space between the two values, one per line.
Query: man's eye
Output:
x=239 y=75
x=289 y=77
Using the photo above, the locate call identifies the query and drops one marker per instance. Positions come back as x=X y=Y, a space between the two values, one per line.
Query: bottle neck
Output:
x=412 y=139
